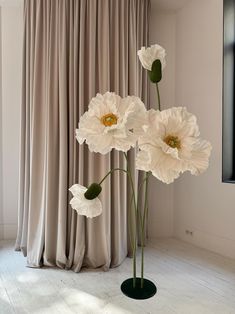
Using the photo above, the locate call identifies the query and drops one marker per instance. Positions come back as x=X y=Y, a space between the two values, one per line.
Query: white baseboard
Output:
x=8 y=231
x=218 y=244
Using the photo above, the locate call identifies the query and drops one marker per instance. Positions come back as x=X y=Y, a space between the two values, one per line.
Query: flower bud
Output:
x=155 y=75
x=93 y=191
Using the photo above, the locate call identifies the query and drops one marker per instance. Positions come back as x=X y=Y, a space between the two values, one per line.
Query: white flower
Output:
x=148 y=55
x=111 y=122
x=171 y=145
x=83 y=206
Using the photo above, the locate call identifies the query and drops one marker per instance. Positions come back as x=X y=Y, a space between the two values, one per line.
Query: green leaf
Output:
x=155 y=75
x=93 y=191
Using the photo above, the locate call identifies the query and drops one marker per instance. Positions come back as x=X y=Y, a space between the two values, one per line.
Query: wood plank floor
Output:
x=189 y=280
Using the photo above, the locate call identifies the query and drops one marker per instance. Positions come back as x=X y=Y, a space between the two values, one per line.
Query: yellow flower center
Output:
x=109 y=119
x=173 y=141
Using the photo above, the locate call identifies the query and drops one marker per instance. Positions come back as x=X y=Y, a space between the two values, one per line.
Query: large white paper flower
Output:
x=148 y=55
x=83 y=206
x=171 y=145
x=111 y=122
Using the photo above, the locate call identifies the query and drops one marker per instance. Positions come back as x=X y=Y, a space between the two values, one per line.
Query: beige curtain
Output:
x=72 y=50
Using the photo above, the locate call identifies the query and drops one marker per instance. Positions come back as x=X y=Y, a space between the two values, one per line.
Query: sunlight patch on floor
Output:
x=28 y=277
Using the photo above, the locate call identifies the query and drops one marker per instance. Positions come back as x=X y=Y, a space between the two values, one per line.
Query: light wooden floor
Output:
x=189 y=280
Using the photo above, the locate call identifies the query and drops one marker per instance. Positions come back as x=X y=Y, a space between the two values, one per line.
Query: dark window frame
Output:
x=228 y=143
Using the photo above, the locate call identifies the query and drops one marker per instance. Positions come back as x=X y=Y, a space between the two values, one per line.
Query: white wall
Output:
x=203 y=204
x=162 y=31
x=11 y=45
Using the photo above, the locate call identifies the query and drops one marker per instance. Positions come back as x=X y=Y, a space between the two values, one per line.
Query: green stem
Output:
x=143 y=229
x=128 y=172
x=133 y=197
x=111 y=171
x=136 y=213
x=158 y=97
x=129 y=212
x=130 y=230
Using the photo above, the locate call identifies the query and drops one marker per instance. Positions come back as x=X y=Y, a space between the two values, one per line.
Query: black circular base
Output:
x=149 y=289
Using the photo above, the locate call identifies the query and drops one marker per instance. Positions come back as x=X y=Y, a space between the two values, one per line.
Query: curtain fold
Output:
x=74 y=49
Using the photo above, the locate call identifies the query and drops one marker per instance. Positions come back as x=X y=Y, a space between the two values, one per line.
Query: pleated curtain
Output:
x=74 y=49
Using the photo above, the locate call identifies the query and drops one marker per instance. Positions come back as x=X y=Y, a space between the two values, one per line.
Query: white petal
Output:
x=179 y=121
x=138 y=117
x=122 y=135
x=99 y=143
x=169 y=150
x=83 y=206
x=148 y=55
x=187 y=145
x=165 y=162
x=143 y=161
x=77 y=189
x=104 y=104
x=200 y=157
x=166 y=175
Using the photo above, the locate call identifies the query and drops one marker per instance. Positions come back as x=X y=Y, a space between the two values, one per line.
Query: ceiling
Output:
x=168 y=5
